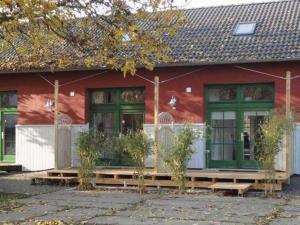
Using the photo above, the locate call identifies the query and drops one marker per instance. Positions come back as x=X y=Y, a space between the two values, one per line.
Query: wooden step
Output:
x=10 y=167
x=44 y=179
x=240 y=187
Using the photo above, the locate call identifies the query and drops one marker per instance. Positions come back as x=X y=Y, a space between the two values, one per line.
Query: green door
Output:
x=114 y=111
x=233 y=115
x=223 y=143
x=8 y=136
x=250 y=135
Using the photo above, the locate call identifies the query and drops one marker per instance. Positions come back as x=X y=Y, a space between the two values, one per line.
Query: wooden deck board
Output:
x=196 y=178
x=240 y=187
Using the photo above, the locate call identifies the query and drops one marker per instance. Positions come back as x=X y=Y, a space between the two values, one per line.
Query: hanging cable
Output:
x=295 y=77
x=45 y=79
x=170 y=79
x=256 y=71
x=182 y=75
x=84 y=78
x=152 y=82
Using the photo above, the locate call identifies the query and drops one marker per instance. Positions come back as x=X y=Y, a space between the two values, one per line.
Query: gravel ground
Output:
x=127 y=208
x=113 y=207
x=293 y=189
x=20 y=183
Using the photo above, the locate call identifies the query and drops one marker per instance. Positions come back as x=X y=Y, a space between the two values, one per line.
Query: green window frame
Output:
x=118 y=106
x=7 y=109
x=240 y=88
x=239 y=105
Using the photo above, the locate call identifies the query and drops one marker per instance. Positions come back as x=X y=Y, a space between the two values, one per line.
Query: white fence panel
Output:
x=75 y=131
x=297 y=149
x=34 y=147
x=198 y=158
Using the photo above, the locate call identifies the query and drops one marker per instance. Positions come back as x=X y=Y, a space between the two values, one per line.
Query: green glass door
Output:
x=223 y=143
x=234 y=114
x=114 y=111
x=250 y=135
x=8 y=136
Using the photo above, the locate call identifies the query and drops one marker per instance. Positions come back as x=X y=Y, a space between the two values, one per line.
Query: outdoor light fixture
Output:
x=188 y=90
x=49 y=104
x=172 y=102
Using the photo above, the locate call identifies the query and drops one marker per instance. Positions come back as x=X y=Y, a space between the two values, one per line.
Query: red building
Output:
x=228 y=70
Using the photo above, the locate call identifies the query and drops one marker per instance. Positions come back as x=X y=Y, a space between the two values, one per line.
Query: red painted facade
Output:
x=33 y=91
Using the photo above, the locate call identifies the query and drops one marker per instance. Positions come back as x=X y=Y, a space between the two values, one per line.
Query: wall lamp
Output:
x=173 y=102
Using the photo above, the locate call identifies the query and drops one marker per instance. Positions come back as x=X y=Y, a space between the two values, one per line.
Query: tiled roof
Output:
x=207 y=37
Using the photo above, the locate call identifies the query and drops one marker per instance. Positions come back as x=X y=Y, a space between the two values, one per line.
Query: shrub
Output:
x=272 y=131
x=177 y=156
x=89 y=146
x=137 y=146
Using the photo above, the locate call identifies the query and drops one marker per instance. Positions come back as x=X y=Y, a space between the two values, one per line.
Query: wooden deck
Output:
x=196 y=178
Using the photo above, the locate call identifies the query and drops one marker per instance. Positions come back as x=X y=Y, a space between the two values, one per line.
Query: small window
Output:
x=103 y=97
x=245 y=28
x=263 y=93
x=222 y=94
x=8 y=99
x=133 y=96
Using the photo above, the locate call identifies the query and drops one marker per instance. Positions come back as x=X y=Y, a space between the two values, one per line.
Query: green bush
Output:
x=89 y=146
x=271 y=133
x=177 y=156
x=137 y=146
x=120 y=157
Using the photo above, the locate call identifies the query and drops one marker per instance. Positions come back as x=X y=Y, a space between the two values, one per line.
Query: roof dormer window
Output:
x=245 y=28
x=126 y=38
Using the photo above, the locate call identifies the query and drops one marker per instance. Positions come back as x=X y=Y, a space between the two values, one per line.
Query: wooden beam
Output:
x=156 y=110
x=56 y=102
x=288 y=116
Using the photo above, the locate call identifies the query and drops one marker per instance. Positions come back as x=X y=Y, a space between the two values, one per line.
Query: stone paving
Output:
x=116 y=207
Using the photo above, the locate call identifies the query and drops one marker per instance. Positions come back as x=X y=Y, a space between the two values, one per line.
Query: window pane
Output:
x=103 y=122
x=217 y=119
x=103 y=97
x=133 y=96
x=9 y=131
x=229 y=119
x=132 y=121
x=221 y=94
x=217 y=152
x=8 y=99
x=217 y=135
x=229 y=135
x=229 y=152
x=258 y=93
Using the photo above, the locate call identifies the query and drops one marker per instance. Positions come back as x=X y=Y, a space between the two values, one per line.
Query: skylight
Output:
x=245 y=28
x=126 y=38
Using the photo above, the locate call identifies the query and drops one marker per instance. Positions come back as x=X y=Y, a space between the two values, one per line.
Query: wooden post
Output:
x=288 y=116
x=56 y=91
x=156 y=110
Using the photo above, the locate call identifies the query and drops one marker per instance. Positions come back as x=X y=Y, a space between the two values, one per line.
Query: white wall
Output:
x=35 y=146
x=198 y=158
x=296 y=157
